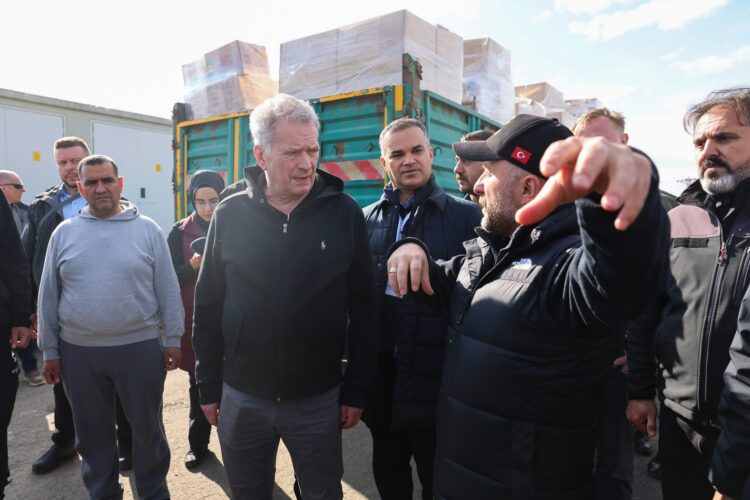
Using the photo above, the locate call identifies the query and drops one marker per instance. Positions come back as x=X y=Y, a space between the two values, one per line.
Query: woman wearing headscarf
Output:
x=205 y=187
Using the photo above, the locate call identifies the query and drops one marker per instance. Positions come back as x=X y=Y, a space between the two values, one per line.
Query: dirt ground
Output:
x=28 y=438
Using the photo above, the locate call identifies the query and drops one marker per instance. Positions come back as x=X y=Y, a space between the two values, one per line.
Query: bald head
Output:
x=9 y=182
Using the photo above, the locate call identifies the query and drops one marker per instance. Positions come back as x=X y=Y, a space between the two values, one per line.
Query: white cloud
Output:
x=665 y=14
x=542 y=16
x=671 y=56
x=715 y=64
x=589 y=7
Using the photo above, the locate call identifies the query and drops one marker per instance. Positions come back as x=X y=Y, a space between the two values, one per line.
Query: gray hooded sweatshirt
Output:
x=108 y=282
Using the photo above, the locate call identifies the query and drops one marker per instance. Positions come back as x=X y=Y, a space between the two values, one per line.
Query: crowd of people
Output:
x=511 y=343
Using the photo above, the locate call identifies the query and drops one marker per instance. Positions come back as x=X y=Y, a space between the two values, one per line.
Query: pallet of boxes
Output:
x=368 y=55
x=231 y=79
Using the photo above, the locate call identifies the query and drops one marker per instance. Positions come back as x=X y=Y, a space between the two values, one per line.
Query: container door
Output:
x=143 y=158
x=26 y=140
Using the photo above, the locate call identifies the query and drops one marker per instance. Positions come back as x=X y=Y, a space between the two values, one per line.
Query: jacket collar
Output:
x=695 y=195
x=430 y=193
x=325 y=185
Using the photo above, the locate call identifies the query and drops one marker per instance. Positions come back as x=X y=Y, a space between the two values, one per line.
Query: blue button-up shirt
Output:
x=72 y=208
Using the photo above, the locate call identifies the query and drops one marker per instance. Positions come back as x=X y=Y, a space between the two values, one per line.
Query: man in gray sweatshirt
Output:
x=108 y=295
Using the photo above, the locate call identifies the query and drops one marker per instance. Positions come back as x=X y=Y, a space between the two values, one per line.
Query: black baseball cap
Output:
x=522 y=141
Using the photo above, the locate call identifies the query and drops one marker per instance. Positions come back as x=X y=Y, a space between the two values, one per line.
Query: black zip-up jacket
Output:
x=15 y=290
x=696 y=319
x=730 y=467
x=537 y=323
x=277 y=296
x=39 y=230
x=411 y=358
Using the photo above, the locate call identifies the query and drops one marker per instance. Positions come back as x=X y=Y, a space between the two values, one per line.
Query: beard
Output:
x=500 y=215
x=725 y=183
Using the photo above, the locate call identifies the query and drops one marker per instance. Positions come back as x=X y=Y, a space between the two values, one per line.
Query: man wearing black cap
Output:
x=538 y=319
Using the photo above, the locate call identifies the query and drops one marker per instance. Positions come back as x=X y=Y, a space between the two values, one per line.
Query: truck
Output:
x=350 y=126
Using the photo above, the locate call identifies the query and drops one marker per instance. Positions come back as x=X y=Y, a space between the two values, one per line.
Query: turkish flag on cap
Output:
x=521 y=155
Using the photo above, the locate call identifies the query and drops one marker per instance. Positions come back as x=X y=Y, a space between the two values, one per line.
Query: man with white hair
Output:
x=286 y=280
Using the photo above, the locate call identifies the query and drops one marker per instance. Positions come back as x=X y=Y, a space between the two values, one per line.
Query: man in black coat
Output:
x=15 y=313
x=401 y=408
x=537 y=319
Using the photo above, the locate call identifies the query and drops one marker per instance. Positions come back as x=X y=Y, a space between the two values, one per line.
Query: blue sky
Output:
x=649 y=59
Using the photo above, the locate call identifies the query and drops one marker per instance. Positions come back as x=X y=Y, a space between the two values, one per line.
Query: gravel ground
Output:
x=28 y=438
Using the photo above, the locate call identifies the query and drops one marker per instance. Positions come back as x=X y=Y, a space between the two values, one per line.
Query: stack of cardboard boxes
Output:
x=230 y=79
x=487 y=82
x=368 y=54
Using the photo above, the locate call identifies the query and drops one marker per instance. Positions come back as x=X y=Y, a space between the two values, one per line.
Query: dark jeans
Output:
x=199 y=430
x=28 y=357
x=613 y=476
x=8 y=389
x=685 y=455
x=391 y=457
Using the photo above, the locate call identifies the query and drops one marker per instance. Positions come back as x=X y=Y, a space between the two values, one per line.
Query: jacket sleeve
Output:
x=14 y=270
x=362 y=333
x=443 y=273
x=28 y=240
x=49 y=298
x=167 y=292
x=184 y=270
x=601 y=285
x=640 y=348
x=730 y=467
x=208 y=341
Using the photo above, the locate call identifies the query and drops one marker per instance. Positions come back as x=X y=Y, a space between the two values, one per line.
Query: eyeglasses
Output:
x=17 y=186
x=207 y=203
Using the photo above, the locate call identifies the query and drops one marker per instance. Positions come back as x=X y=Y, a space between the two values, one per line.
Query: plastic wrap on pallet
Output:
x=562 y=116
x=526 y=106
x=369 y=54
x=543 y=93
x=487 y=82
x=231 y=79
x=578 y=107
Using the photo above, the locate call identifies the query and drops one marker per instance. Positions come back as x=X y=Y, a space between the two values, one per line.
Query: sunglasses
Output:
x=17 y=186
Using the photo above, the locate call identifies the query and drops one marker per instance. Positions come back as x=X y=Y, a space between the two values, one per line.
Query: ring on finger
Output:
x=392 y=270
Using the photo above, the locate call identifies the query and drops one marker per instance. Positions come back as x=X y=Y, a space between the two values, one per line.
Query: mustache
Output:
x=714 y=162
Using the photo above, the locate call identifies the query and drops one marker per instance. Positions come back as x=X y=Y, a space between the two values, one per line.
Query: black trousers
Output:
x=613 y=476
x=65 y=434
x=8 y=389
x=391 y=457
x=199 y=430
x=685 y=455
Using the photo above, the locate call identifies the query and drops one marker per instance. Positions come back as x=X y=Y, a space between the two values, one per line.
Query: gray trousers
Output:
x=91 y=376
x=249 y=431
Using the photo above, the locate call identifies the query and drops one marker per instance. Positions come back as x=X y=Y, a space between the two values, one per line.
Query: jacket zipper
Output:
x=280 y=319
x=713 y=298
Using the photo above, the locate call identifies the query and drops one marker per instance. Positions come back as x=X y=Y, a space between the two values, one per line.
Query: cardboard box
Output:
x=578 y=107
x=369 y=54
x=237 y=58
x=543 y=93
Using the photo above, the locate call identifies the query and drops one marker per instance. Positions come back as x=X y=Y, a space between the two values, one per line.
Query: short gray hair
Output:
x=95 y=160
x=736 y=98
x=399 y=125
x=263 y=119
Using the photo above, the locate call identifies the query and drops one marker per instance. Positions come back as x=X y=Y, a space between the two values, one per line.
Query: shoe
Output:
x=642 y=444
x=53 y=458
x=34 y=378
x=653 y=468
x=126 y=459
x=193 y=458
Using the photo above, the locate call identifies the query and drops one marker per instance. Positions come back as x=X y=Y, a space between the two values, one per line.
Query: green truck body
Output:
x=350 y=127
